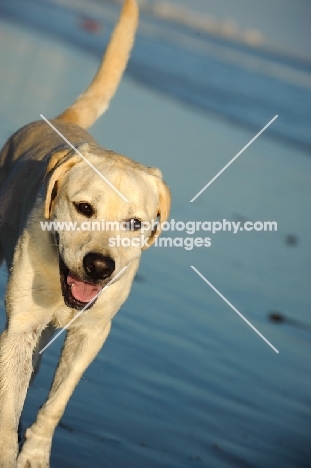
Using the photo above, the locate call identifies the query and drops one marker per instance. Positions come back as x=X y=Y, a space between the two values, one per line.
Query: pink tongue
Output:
x=83 y=292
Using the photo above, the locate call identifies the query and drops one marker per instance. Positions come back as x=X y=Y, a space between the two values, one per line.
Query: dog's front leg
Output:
x=80 y=348
x=17 y=343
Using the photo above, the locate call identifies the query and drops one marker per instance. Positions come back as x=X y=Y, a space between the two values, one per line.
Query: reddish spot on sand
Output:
x=90 y=25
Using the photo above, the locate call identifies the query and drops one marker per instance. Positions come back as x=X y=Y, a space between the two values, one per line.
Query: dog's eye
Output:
x=84 y=208
x=134 y=224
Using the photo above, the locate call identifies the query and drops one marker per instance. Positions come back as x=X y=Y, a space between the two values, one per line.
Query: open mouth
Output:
x=76 y=292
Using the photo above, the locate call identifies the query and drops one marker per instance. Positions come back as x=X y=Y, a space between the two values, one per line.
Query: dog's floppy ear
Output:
x=163 y=206
x=58 y=166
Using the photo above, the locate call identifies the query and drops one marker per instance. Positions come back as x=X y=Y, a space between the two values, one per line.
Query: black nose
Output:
x=98 y=266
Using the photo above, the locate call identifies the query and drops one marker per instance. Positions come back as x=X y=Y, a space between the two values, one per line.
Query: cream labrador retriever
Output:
x=55 y=274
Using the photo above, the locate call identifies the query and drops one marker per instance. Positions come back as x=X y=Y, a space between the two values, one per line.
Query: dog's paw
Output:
x=33 y=459
x=35 y=452
x=24 y=462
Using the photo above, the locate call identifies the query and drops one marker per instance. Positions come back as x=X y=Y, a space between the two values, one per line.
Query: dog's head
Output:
x=101 y=232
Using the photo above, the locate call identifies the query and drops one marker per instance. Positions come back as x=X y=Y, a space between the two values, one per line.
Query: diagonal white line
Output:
x=235 y=310
x=235 y=157
x=83 y=157
x=81 y=311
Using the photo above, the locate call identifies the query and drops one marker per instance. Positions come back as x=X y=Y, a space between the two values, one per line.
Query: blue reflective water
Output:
x=182 y=381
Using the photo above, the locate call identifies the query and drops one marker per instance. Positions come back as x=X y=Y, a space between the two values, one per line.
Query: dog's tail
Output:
x=95 y=100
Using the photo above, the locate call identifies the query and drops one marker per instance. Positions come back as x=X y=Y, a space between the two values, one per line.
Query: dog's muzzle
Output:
x=79 y=291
